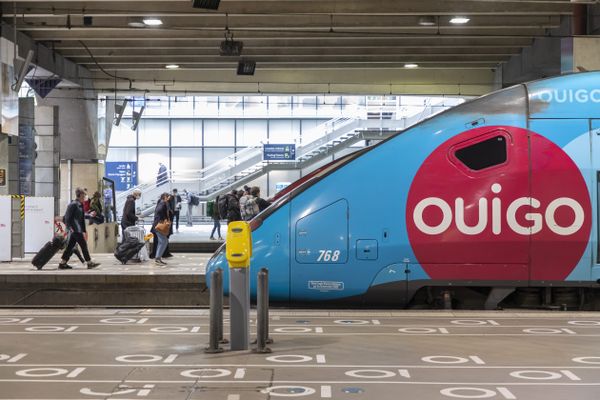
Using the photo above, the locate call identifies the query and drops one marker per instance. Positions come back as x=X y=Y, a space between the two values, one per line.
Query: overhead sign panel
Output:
x=279 y=152
x=123 y=173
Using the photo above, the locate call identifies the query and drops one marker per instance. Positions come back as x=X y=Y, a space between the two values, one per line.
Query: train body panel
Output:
x=480 y=194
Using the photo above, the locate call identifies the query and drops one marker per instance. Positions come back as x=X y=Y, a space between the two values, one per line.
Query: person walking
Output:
x=262 y=203
x=216 y=217
x=75 y=223
x=192 y=200
x=108 y=204
x=176 y=204
x=129 y=218
x=161 y=214
x=161 y=178
x=96 y=214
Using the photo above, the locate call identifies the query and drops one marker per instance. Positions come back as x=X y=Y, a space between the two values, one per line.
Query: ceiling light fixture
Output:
x=427 y=20
x=411 y=66
x=459 y=20
x=136 y=23
x=152 y=22
x=171 y=66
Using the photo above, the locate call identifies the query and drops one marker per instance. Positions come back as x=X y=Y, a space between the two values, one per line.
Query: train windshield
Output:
x=301 y=185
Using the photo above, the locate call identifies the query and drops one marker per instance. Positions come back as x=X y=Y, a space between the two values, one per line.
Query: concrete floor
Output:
x=158 y=354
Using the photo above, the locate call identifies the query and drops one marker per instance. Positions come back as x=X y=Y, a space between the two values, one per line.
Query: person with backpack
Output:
x=248 y=206
x=192 y=200
x=262 y=203
x=229 y=206
x=212 y=210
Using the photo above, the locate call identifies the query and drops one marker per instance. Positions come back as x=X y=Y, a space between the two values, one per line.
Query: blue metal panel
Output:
x=366 y=249
x=573 y=96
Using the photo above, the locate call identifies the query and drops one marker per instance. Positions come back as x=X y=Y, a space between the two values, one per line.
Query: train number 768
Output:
x=328 y=255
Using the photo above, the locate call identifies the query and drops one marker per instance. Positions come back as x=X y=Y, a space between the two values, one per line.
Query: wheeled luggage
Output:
x=137 y=232
x=128 y=249
x=47 y=252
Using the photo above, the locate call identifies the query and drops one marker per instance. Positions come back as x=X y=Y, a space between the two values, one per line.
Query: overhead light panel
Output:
x=137 y=115
x=119 y=111
x=427 y=20
x=172 y=66
x=459 y=20
x=152 y=22
x=136 y=23
x=208 y=4
x=246 y=67
x=411 y=66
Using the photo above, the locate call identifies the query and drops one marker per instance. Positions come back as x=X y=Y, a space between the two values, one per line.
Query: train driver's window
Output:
x=484 y=154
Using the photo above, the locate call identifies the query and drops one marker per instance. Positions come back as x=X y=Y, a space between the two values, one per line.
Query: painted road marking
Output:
x=12 y=359
x=587 y=360
x=326 y=392
x=49 y=372
x=452 y=360
x=321 y=359
x=474 y=322
x=476 y=393
x=289 y=358
x=206 y=373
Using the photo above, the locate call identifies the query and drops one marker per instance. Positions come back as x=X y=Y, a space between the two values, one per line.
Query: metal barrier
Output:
x=262 y=312
x=216 y=312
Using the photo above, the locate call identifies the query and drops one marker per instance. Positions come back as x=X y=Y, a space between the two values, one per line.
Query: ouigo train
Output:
x=495 y=196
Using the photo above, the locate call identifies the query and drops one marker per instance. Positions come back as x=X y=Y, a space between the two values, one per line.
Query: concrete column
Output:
x=47 y=165
x=580 y=53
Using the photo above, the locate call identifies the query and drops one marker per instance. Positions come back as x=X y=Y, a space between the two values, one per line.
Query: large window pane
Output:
x=312 y=129
x=213 y=155
x=284 y=131
x=148 y=163
x=122 y=135
x=154 y=132
x=116 y=154
x=184 y=160
x=182 y=106
x=305 y=106
x=219 y=132
x=280 y=106
x=255 y=106
x=231 y=106
x=251 y=132
x=206 y=106
x=156 y=106
x=186 y=132
x=329 y=106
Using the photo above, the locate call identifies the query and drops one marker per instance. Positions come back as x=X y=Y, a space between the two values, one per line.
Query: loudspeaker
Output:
x=136 y=118
x=119 y=111
x=246 y=67
x=23 y=71
x=208 y=4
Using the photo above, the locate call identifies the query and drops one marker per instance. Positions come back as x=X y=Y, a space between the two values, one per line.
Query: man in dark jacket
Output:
x=75 y=224
x=129 y=218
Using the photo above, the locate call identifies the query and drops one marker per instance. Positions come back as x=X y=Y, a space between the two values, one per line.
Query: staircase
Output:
x=247 y=165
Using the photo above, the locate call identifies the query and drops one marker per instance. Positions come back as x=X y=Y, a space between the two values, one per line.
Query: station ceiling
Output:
x=298 y=45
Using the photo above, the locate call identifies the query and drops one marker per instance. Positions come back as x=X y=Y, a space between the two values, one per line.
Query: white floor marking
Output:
x=138 y=358
x=445 y=360
x=12 y=359
x=587 y=360
x=307 y=391
x=321 y=359
x=483 y=393
x=233 y=397
x=142 y=321
x=370 y=373
x=289 y=358
x=240 y=373
x=325 y=392
x=570 y=375
x=536 y=375
x=376 y=322
x=170 y=358
x=75 y=373
x=26 y=320
x=477 y=360
x=206 y=373
x=318 y=330
x=404 y=373
x=506 y=393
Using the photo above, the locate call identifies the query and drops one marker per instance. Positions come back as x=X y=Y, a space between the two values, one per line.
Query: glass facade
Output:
x=192 y=132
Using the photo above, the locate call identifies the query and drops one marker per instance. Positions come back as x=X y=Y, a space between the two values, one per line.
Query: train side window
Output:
x=484 y=154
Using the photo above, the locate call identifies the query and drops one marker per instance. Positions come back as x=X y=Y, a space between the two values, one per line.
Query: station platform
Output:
x=180 y=283
x=159 y=354
x=194 y=239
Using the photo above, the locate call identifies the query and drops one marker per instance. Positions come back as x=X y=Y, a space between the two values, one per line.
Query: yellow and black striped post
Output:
x=22 y=206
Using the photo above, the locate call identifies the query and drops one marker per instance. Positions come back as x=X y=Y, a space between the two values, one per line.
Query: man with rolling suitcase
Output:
x=75 y=223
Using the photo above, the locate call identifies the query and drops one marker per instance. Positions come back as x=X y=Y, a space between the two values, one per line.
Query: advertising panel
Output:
x=39 y=222
x=5 y=228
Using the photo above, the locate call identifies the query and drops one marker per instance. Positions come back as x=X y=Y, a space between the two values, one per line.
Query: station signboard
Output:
x=123 y=173
x=279 y=152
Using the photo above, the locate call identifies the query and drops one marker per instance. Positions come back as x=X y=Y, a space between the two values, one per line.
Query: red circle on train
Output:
x=476 y=213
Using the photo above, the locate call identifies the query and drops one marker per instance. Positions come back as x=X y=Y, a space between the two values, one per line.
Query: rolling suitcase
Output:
x=138 y=233
x=128 y=249
x=47 y=252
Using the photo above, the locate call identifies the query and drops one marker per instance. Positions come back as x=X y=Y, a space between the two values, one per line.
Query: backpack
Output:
x=194 y=200
x=222 y=205
x=251 y=208
x=210 y=208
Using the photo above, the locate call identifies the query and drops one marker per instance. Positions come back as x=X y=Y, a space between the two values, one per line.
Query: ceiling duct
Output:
x=207 y=4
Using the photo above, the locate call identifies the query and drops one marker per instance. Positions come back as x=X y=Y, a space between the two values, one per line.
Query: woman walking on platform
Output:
x=161 y=227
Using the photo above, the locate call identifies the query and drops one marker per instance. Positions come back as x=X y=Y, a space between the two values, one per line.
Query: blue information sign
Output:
x=279 y=152
x=123 y=173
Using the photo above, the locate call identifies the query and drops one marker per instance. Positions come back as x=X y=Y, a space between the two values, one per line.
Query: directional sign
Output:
x=279 y=152
x=123 y=173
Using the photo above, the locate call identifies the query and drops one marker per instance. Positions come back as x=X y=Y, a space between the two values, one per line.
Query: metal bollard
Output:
x=216 y=311
x=262 y=311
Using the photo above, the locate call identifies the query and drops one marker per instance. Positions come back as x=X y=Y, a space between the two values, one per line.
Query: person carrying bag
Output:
x=161 y=227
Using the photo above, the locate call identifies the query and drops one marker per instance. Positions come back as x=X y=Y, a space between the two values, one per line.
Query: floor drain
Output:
x=353 y=390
